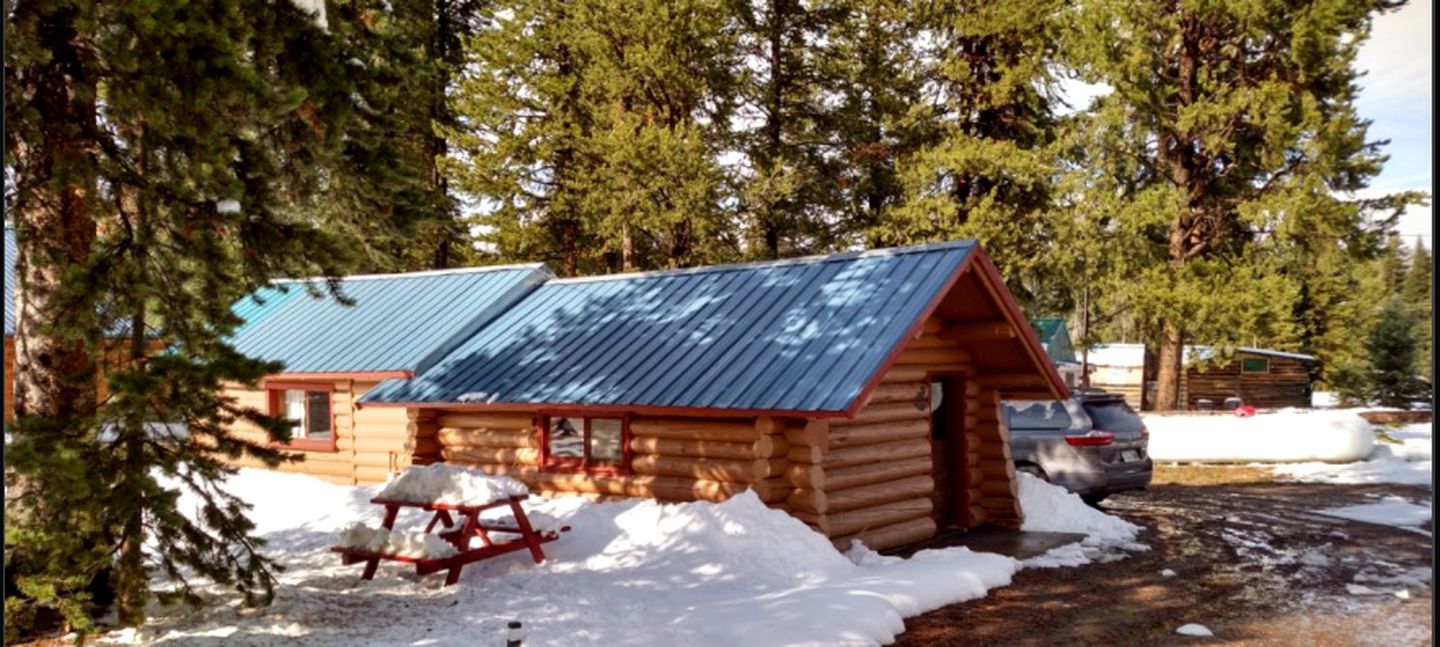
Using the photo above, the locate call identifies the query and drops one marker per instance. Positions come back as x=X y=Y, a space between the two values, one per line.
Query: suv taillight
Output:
x=1144 y=434
x=1094 y=437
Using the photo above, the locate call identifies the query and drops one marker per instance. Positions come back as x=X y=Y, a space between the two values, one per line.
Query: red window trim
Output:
x=276 y=393
x=570 y=464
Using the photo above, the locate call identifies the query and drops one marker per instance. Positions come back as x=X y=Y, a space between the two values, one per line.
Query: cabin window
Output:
x=1254 y=365
x=592 y=444
x=308 y=409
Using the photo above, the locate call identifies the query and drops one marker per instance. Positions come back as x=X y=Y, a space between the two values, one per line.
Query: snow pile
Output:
x=632 y=572
x=418 y=545
x=450 y=484
x=1286 y=436
x=1193 y=629
x=1390 y=511
x=1407 y=463
x=1051 y=508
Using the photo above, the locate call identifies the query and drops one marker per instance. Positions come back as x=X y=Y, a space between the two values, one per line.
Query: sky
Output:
x=1395 y=95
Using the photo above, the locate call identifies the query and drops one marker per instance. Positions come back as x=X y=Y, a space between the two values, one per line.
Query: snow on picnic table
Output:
x=630 y=572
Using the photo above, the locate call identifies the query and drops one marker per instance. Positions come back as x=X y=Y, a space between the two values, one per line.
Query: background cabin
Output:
x=1260 y=377
x=1055 y=337
x=859 y=392
x=334 y=354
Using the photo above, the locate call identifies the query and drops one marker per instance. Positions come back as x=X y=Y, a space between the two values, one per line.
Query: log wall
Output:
x=673 y=459
x=1287 y=384
x=370 y=443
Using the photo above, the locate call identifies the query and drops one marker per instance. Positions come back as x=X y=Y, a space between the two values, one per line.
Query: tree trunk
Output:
x=57 y=327
x=129 y=578
x=774 y=122
x=627 y=248
x=1172 y=343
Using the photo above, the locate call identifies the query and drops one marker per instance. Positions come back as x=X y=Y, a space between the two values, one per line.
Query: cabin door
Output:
x=948 y=452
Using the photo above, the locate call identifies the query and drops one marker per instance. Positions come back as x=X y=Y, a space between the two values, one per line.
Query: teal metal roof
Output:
x=397 y=320
x=1055 y=337
x=796 y=335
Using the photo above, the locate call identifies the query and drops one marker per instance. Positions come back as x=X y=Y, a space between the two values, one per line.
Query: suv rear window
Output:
x=1047 y=414
x=1113 y=416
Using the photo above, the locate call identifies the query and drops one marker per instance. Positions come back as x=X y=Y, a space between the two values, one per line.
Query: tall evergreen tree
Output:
x=1242 y=110
x=1392 y=347
x=988 y=171
x=788 y=196
x=875 y=69
x=1417 y=292
x=523 y=150
x=168 y=159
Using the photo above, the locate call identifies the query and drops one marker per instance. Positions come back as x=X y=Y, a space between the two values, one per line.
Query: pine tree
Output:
x=988 y=171
x=524 y=147
x=1240 y=112
x=872 y=63
x=227 y=128
x=788 y=198
x=1416 y=290
x=1392 y=347
x=593 y=130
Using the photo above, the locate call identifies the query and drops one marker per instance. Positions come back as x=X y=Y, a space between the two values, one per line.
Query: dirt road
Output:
x=1251 y=562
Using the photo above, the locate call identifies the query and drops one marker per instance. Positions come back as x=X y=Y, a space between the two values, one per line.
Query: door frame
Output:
x=956 y=445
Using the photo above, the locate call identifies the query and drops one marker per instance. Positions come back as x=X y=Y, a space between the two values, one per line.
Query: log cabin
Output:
x=334 y=353
x=859 y=392
x=1261 y=377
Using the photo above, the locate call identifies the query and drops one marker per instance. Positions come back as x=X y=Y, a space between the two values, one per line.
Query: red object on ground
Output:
x=458 y=536
x=1244 y=411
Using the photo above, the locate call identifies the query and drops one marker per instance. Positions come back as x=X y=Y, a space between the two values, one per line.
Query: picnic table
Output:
x=460 y=535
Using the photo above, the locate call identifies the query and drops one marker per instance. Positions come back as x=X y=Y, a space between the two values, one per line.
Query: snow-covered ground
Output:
x=1408 y=462
x=629 y=573
x=1289 y=435
x=1389 y=511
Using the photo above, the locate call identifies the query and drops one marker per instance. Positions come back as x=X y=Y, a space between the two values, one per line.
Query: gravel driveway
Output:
x=1251 y=561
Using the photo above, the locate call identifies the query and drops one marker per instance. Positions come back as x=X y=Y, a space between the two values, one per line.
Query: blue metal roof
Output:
x=11 y=257
x=396 y=322
x=797 y=335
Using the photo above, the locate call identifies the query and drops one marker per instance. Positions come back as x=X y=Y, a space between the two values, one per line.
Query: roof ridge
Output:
x=419 y=274
x=799 y=260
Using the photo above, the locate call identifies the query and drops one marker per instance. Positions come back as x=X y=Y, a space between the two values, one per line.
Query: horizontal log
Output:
x=367 y=444
x=486 y=420
x=771 y=490
x=855 y=521
x=806 y=476
x=365 y=475
x=912 y=448
x=869 y=473
x=881 y=432
x=978 y=331
x=807 y=500
x=866 y=496
x=807 y=454
x=991 y=451
x=978 y=516
x=929 y=341
x=495 y=455
x=971 y=388
x=736 y=430
x=906 y=392
x=932 y=356
x=815 y=433
x=763 y=447
x=878 y=413
x=1029 y=394
x=997 y=487
x=423 y=445
x=932 y=325
x=708 y=469
x=905 y=374
x=891 y=536
x=487 y=437
x=974 y=495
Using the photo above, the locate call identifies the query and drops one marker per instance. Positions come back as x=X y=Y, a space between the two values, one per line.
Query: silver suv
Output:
x=1092 y=444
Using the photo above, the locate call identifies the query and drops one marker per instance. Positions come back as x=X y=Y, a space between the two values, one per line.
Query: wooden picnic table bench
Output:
x=470 y=526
